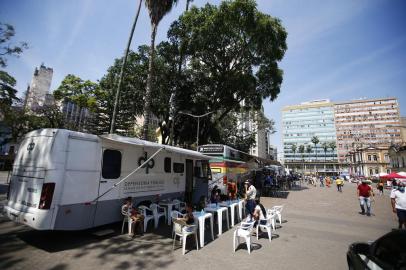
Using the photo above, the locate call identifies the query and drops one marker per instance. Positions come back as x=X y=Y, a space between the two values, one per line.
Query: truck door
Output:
x=189 y=181
x=108 y=205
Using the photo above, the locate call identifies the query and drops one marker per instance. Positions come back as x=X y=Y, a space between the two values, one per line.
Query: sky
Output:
x=337 y=50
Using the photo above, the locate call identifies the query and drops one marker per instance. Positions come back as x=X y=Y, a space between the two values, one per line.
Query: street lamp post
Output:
x=198 y=123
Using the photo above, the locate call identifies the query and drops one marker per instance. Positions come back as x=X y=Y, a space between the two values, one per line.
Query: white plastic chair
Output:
x=269 y=224
x=278 y=210
x=272 y=214
x=147 y=217
x=126 y=220
x=244 y=231
x=183 y=231
x=158 y=212
x=180 y=205
x=175 y=215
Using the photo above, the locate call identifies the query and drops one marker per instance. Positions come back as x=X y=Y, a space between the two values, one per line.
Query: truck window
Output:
x=178 y=167
x=167 y=164
x=111 y=164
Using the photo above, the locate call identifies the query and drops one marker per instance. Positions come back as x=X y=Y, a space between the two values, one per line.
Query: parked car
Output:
x=388 y=252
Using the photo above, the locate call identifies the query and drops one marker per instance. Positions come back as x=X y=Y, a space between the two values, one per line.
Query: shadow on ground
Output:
x=115 y=249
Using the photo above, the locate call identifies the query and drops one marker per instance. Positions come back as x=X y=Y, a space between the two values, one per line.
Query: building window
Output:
x=167 y=164
x=178 y=167
x=375 y=158
x=369 y=157
x=376 y=171
x=111 y=164
x=371 y=172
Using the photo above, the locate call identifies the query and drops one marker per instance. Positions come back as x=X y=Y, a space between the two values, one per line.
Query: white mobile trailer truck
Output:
x=62 y=179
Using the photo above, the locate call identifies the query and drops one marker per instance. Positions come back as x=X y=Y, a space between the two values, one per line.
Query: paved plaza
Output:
x=319 y=224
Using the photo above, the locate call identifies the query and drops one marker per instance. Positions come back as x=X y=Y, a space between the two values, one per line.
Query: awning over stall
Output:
x=168 y=148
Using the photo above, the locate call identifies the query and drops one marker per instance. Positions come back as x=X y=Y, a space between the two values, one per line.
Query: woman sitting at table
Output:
x=202 y=203
x=136 y=217
x=215 y=195
x=188 y=218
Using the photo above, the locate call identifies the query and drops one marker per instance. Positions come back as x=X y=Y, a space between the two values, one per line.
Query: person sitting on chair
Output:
x=259 y=213
x=188 y=218
x=136 y=217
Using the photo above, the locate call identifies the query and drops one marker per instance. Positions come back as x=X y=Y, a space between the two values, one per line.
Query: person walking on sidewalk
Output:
x=364 y=193
x=339 y=183
x=398 y=200
x=379 y=186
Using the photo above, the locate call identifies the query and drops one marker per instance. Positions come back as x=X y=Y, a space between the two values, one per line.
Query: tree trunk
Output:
x=120 y=79
x=147 y=106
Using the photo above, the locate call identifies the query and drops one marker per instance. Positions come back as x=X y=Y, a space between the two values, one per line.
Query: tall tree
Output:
x=294 y=148
x=308 y=149
x=157 y=10
x=7 y=32
x=78 y=92
x=301 y=151
x=315 y=140
x=8 y=94
x=132 y=91
x=325 y=147
x=120 y=78
x=233 y=52
x=333 y=146
x=172 y=100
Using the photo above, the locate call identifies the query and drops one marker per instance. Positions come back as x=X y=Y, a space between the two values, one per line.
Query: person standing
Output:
x=339 y=183
x=379 y=186
x=398 y=201
x=250 y=194
x=364 y=193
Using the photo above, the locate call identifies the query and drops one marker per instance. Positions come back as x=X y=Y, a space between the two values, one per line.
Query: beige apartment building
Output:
x=366 y=123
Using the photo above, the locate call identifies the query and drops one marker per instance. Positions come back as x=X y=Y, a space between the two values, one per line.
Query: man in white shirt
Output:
x=398 y=200
x=250 y=194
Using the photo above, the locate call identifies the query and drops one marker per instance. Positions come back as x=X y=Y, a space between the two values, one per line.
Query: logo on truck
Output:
x=30 y=146
x=147 y=166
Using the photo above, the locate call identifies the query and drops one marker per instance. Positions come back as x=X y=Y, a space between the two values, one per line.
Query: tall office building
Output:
x=366 y=123
x=248 y=123
x=299 y=124
x=39 y=87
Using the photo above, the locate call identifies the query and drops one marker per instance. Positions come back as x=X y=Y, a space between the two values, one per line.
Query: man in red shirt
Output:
x=364 y=192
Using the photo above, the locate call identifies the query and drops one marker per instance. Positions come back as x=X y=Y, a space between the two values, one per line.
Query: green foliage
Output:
x=7 y=32
x=234 y=51
x=308 y=149
x=332 y=145
x=157 y=10
x=301 y=149
x=131 y=97
x=7 y=92
x=79 y=92
x=315 y=140
x=294 y=148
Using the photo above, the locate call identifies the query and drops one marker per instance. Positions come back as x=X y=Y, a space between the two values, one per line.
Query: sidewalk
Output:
x=319 y=225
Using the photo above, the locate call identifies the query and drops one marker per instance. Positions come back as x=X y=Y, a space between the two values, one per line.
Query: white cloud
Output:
x=77 y=27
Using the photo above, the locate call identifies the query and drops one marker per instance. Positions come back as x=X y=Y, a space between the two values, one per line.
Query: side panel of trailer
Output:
x=79 y=183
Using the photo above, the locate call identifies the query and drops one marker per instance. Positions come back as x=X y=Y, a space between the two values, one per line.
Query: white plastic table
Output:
x=233 y=206
x=219 y=210
x=169 y=205
x=200 y=218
